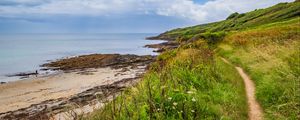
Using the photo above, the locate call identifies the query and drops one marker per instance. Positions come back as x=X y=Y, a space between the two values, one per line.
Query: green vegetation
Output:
x=191 y=82
x=271 y=56
x=234 y=22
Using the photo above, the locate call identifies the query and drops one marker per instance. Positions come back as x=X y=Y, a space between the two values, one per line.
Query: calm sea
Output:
x=25 y=52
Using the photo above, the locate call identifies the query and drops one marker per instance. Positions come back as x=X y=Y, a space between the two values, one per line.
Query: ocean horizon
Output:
x=25 y=52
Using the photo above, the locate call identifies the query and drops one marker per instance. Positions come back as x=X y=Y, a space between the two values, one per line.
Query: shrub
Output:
x=233 y=15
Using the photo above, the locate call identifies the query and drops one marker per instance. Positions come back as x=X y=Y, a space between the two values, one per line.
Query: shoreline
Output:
x=28 y=60
x=167 y=44
x=46 y=96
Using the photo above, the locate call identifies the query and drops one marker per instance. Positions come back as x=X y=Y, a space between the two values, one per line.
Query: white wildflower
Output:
x=174 y=103
x=169 y=98
x=193 y=99
x=193 y=110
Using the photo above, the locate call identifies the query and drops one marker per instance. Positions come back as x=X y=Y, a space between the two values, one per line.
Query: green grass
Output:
x=194 y=84
x=270 y=54
x=279 y=12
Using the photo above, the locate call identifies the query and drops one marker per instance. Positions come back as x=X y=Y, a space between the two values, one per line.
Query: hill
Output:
x=236 y=21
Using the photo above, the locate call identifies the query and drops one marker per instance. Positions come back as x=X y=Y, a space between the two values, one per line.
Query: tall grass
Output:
x=193 y=84
x=270 y=54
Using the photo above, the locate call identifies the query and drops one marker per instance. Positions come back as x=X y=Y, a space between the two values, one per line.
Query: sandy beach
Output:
x=23 y=93
x=37 y=96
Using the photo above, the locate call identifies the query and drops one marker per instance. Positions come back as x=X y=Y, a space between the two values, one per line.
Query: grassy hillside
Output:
x=235 y=21
x=271 y=55
x=192 y=82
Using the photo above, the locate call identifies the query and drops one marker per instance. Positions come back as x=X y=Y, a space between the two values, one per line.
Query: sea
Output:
x=26 y=52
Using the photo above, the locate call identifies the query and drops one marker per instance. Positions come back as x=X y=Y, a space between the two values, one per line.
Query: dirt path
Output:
x=255 y=112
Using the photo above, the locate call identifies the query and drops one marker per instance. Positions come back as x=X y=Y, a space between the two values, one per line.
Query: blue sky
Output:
x=116 y=16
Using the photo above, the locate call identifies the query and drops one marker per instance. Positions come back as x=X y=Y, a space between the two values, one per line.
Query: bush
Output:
x=233 y=15
x=213 y=38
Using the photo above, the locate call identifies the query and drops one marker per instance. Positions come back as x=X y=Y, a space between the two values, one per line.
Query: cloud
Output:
x=189 y=10
x=28 y=3
x=212 y=10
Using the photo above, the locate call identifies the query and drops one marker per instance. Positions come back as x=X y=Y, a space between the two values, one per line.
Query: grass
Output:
x=277 y=13
x=194 y=84
x=270 y=54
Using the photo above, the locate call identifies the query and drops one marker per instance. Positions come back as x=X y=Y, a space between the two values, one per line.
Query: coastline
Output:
x=45 y=96
x=32 y=50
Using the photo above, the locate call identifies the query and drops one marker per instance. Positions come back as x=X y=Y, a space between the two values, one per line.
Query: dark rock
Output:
x=97 y=61
x=22 y=74
x=161 y=47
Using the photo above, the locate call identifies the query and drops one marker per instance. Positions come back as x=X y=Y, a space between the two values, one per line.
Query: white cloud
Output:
x=185 y=9
x=212 y=10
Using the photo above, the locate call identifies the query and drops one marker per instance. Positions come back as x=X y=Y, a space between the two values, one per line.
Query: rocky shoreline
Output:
x=98 y=61
x=81 y=65
x=51 y=108
x=169 y=44
x=47 y=109
x=161 y=47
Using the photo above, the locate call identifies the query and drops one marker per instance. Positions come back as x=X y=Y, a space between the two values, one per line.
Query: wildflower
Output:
x=173 y=107
x=193 y=99
x=169 y=98
x=190 y=92
x=192 y=110
x=158 y=109
x=174 y=103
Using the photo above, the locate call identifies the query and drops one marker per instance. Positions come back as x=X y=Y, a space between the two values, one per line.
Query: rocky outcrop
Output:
x=161 y=47
x=98 y=60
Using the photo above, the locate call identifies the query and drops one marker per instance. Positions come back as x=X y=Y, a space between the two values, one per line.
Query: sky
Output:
x=117 y=16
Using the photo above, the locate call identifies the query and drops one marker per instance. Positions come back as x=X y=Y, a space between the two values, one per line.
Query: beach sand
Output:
x=22 y=94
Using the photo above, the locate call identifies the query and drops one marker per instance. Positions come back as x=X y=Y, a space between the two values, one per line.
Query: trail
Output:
x=255 y=112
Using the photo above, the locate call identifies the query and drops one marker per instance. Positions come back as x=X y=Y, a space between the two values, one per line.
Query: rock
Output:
x=97 y=61
x=23 y=74
x=161 y=47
